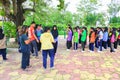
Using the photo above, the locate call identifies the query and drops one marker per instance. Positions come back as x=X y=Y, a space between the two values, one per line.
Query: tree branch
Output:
x=28 y=9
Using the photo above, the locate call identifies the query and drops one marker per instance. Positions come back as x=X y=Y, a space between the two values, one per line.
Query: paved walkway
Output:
x=69 y=65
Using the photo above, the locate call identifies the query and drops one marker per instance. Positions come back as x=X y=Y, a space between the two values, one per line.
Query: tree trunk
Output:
x=19 y=18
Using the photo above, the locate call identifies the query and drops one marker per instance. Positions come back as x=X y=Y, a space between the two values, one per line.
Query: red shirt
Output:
x=31 y=33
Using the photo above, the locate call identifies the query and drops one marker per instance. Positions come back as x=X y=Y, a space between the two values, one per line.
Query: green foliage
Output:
x=2 y=13
x=9 y=29
x=115 y=20
x=91 y=19
x=61 y=5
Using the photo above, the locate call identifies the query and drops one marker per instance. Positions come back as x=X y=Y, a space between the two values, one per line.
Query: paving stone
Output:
x=69 y=65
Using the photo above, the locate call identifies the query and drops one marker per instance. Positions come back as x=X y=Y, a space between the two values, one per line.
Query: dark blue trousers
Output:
x=96 y=42
x=105 y=44
x=75 y=46
x=51 y=55
x=25 y=57
x=91 y=46
x=3 y=52
x=34 y=48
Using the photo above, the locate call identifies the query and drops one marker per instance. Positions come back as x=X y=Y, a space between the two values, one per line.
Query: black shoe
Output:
x=5 y=59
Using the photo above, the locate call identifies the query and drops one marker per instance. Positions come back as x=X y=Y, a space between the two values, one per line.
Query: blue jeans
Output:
x=100 y=45
x=75 y=46
x=34 y=47
x=91 y=46
x=49 y=52
x=25 y=56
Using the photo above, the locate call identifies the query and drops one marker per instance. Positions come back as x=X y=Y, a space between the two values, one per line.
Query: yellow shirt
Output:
x=46 y=40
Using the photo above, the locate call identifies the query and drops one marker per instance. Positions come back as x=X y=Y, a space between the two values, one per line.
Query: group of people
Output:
x=33 y=39
x=101 y=38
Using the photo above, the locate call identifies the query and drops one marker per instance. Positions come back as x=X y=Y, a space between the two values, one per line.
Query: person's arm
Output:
x=33 y=31
x=52 y=39
x=26 y=40
x=3 y=41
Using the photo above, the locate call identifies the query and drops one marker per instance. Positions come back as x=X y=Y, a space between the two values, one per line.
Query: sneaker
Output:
x=98 y=51
x=52 y=68
x=82 y=51
x=29 y=66
x=68 y=49
x=91 y=51
x=25 y=69
x=5 y=59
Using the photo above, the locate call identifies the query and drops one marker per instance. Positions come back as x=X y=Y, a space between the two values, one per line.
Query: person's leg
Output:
x=119 y=42
x=115 y=45
x=38 y=46
x=44 y=54
x=51 y=55
x=92 y=46
x=35 y=47
x=70 y=44
x=83 y=45
x=96 y=42
x=79 y=39
x=112 y=47
x=24 y=61
x=89 y=46
x=28 y=58
x=108 y=42
x=100 y=45
x=76 y=46
x=55 y=47
x=67 y=45
x=4 y=54
x=103 y=44
x=106 y=45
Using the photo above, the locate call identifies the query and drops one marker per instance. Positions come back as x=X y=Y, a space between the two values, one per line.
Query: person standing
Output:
x=92 y=38
x=47 y=41
x=116 y=42
x=25 y=48
x=118 y=37
x=3 y=45
x=69 y=37
x=100 y=39
x=75 y=38
x=38 y=33
x=112 y=40
x=33 y=39
x=105 y=38
x=83 y=39
x=54 y=32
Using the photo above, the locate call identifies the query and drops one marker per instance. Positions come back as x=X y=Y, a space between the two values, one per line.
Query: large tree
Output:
x=14 y=10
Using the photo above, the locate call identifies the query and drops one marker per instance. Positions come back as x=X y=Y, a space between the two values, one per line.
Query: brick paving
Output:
x=69 y=65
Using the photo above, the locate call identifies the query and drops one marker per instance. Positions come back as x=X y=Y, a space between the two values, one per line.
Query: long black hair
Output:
x=54 y=32
x=105 y=29
x=1 y=34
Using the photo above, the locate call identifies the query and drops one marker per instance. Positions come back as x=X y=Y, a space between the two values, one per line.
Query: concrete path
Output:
x=69 y=65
